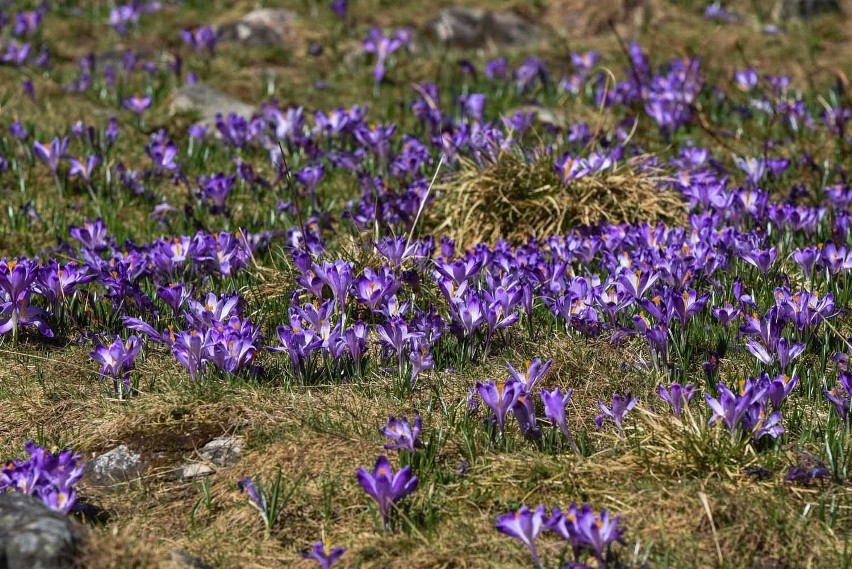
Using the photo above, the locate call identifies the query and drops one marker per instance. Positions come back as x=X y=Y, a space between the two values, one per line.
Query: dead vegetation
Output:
x=325 y=434
x=515 y=198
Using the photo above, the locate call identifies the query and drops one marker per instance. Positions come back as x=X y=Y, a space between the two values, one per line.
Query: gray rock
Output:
x=223 y=451
x=32 y=536
x=477 y=28
x=194 y=470
x=804 y=9
x=277 y=19
x=208 y=102
x=114 y=467
x=181 y=559
x=263 y=28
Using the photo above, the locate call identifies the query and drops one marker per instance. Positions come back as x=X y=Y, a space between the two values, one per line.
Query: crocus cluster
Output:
x=517 y=395
x=50 y=477
x=585 y=530
x=117 y=360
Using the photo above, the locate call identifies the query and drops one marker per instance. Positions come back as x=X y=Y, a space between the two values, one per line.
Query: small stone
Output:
x=478 y=28
x=32 y=536
x=114 y=467
x=804 y=9
x=194 y=470
x=263 y=28
x=276 y=19
x=208 y=102
x=223 y=451
x=180 y=559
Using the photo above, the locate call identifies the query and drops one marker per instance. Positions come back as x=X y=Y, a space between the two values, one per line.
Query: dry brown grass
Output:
x=325 y=434
x=514 y=198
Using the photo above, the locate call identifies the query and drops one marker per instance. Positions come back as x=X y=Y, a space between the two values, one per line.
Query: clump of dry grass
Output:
x=515 y=198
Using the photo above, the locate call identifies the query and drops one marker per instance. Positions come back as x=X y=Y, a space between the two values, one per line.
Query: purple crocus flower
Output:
x=137 y=103
x=569 y=168
x=524 y=411
x=93 y=235
x=256 y=499
x=620 y=407
x=57 y=282
x=467 y=314
x=385 y=487
x=496 y=69
x=762 y=422
x=677 y=396
x=217 y=188
x=174 y=295
x=841 y=395
x=598 y=531
x=500 y=397
x=807 y=258
x=29 y=89
x=404 y=435
x=374 y=286
x=711 y=364
x=200 y=39
x=338 y=277
x=459 y=271
x=535 y=370
x=394 y=337
x=355 y=339
x=339 y=8
x=725 y=314
x=637 y=283
x=190 y=350
x=26 y=22
x=50 y=477
x=797 y=473
x=785 y=352
x=121 y=16
x=746 y=79
x=398 y=249
x=780 y=388
x=473 y=105
x=16 y=53
x=51 y=153
x=381 y=45
x=117 y=360
x=310 y=176
x=85 y=168
x=586 y=530
x=531 y=69
x=731 y=407
x=324 y=555
x=420 y=357
x=554 y=409
x=761 y=259
x=524 y=525
x=687 y=304
x=16 y=278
